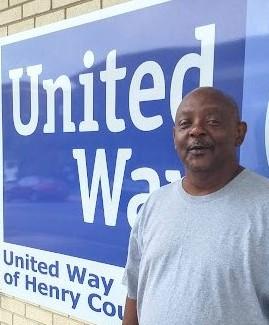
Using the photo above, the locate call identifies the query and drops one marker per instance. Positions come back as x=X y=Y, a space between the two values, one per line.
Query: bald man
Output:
x=199 y=250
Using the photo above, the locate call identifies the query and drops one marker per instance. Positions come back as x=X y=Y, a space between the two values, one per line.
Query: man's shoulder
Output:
x=255 y=186
x=162 y=201
x=166 y=195
x=255 y=181
x=165 y=191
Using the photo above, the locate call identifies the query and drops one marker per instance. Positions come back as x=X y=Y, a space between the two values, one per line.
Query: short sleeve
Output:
x=131 y=273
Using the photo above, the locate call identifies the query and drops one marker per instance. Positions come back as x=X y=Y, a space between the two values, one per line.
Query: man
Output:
x=199 y=251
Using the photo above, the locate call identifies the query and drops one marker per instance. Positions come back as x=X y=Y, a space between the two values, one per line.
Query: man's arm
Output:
x=130 y=313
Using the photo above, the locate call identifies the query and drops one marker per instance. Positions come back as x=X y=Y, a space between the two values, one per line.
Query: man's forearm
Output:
x=130 y=313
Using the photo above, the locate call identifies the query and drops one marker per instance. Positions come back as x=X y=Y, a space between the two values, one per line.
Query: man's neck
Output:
x=202 y=183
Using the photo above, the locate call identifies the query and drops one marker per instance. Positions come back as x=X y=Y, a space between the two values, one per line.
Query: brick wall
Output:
x=17 y=16
x=20 y=15
x=14 y=311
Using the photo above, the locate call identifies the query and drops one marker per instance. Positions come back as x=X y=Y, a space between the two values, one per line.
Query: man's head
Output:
x=208 y=130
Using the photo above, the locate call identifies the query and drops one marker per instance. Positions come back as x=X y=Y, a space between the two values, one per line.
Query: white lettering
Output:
x=110 y=76
x=149 y=175
x=204 y=62
x=138 y=95
x=15 y=75
x=172 y=175
x=100 y=176
x=86 y=80
x=51 y=86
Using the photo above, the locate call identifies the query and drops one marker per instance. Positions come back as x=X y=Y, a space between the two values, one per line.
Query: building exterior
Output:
x=155 y=51
x=17 y=16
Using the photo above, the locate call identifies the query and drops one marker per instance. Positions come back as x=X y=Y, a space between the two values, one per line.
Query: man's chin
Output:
x=201 y=167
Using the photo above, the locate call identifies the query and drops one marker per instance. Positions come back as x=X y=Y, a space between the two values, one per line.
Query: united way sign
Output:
x=87 y=113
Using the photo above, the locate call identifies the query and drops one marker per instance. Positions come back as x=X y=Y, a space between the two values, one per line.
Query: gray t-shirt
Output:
x=202 y=260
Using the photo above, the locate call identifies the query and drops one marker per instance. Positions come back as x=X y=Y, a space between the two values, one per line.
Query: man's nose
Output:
x=197 y=130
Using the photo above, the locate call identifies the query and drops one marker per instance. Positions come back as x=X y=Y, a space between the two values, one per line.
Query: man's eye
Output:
x=213 y=122
x=183 y=124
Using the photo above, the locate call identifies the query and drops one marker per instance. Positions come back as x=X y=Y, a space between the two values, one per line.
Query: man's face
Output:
x=207 y=132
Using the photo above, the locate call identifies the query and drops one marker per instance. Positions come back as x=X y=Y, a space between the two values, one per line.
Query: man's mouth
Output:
x=200 y=148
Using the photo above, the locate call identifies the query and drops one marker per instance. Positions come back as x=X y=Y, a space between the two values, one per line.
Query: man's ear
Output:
x=241 y=132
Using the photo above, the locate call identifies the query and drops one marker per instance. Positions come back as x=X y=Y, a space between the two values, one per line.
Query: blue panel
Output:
x=256 y=86
x=42 y=204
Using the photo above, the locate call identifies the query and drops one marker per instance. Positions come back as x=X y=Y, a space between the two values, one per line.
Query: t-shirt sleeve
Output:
x=131 y=273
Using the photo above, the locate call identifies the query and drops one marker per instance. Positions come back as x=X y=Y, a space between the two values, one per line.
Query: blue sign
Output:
x=255 y=151
x=87 y=114
x=87 y=119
